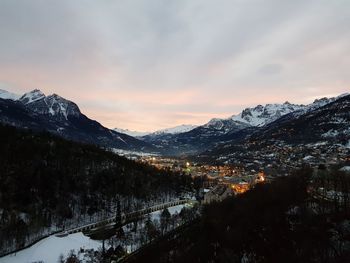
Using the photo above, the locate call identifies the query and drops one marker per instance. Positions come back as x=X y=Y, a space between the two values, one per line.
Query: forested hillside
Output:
x=301 y=218
x=48 y=183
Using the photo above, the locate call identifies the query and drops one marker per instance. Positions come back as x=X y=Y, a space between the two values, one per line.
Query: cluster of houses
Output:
x=232 y=186
x=279 y=158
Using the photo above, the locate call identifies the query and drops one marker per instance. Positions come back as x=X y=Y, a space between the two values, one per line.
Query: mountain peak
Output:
x=32 y=96
x=52 y=105
x=59 y=106
x=57 y=97
x=261 y=115
x=4 y=94
x=177 y=129
x=131 y=133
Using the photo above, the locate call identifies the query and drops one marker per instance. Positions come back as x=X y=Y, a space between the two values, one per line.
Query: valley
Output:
x=174 y=131
x=82 y=183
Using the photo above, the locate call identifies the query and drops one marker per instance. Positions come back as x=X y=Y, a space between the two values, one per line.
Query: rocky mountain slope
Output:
x=319 y=134
x=173 y=130
x=220 y=130
x=58 y=115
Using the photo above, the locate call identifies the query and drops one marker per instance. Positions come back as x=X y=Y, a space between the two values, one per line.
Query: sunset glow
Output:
x=151 y=65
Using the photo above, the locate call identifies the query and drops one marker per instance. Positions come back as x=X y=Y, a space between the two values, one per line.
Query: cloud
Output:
x=124 y=61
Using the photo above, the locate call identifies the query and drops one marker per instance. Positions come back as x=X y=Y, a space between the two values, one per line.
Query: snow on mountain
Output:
x=56 y=105
x=177 y=129
x=53 y=105
x=60 y=116
x=131 y=133
x=223 y=126
x=31 y=96
x=174 y=130
x=262 y=115
x=318 y=103
x=8 y=95
x=256 y=117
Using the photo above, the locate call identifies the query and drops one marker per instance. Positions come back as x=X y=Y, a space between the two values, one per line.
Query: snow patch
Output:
x=49 y=249
x=345 y=169
x=331 y=133
x=177 y=129
x=32 y=96
x=8 y=95
x=131 y=133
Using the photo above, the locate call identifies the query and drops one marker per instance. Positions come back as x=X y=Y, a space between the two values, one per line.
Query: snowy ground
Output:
x=172 y=210
x=49 y=249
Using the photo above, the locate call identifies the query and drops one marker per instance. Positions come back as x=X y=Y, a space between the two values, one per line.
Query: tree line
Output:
x=283 y=221
x=47 y=181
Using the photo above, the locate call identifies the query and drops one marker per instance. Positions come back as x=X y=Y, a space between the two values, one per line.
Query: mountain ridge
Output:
x=217 y=130
x=53 y=113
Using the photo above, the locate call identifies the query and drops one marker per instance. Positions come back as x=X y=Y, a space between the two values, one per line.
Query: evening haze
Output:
x=147 y=65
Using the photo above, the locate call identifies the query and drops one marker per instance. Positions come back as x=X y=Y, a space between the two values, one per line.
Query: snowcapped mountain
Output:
x=238 y=126
x=53 y=105
x=173 y=130
x=326 y=123
x=8 y=95
x=31 y=96
x=256 y=117
x=177 y=129
x=36 y=111
x=262 y=115
x=318 y=103
x=249 y=117
x=131 y=133
x=58 y=115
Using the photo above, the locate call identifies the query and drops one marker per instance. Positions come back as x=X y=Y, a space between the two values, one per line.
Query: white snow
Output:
x=345 y=169
x=177 y=129
x=257 y=116
x=174 y=130
x=8 y=95
x=262 y=115
x=128 y=153
x=32 y=96
x=51 y=111
x=308 y=158
x=348 y=145
x=172 y=210
x=131 y=133
x=49 y=249
x=329 y=134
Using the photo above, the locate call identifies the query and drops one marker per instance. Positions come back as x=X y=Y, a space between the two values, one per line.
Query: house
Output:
x=217 y=194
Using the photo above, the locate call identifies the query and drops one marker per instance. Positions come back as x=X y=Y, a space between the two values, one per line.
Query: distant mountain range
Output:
x=55 y=114
x=173 y=130
x=319 y=131
x=131 y=133
x=34 y=110
x=218 y=131
x=4 y=94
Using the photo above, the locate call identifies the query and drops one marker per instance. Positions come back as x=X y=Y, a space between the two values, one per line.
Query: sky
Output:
x=151 y=64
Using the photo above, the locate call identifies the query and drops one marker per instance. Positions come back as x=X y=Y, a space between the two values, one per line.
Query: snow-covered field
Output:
x=49 y=249
x=172 y=210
